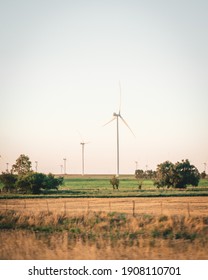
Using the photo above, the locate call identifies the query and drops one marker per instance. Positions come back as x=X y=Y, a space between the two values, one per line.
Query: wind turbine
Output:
x=117 y=116
x=83 y=154
x=64 y=159
x=83 y=146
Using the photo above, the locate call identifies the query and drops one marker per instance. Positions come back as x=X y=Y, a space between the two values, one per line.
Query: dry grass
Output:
x=100 y=235
x=193 y=206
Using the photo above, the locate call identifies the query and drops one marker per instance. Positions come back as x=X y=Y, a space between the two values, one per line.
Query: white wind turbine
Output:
x=83 y=154
x=117 y=116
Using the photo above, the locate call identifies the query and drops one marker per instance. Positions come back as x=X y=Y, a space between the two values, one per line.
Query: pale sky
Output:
x=60 y=66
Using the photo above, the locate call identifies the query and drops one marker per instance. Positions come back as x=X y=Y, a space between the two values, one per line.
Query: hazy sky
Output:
x=60 y=66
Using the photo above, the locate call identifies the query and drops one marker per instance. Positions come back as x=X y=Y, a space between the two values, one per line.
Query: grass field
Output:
x=99 y=186
x=101 y=235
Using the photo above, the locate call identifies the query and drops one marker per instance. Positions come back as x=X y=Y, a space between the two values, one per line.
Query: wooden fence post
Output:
x=133 y=208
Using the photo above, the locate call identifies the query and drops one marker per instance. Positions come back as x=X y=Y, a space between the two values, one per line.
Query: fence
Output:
x=155 y=206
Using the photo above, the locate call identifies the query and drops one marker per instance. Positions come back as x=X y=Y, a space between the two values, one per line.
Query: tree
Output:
x=24 y=183
x=36 y=182
x=177 y=175
x=186 y=174
x=8 y=180
x=114 y=182
x=165 y=175
x=27 y=181
x=22 y=165
x=203 y=175
x=139 y=174
x=52 y=183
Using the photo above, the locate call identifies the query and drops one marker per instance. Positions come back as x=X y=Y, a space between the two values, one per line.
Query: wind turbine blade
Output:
x=127 y=125
x=110 y=121
x=80 y=136
x=119 y=109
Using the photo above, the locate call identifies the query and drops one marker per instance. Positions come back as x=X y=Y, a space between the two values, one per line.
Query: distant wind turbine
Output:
x=83 y=154
x=117 y=116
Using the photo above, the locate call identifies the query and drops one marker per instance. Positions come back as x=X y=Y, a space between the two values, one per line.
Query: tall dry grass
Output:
x=48 y=235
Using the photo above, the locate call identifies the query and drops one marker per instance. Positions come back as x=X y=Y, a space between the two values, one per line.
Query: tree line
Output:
x=22 y=179
x=178 y=175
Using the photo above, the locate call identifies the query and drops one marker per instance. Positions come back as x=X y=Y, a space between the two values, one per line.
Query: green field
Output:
x=99 y=186
x=128 y=187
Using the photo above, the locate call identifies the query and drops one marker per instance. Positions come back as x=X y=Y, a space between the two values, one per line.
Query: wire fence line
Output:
x=156 y=206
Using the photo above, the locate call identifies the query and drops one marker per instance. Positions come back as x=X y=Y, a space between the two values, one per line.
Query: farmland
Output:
x=99 y=186
x=87 y=219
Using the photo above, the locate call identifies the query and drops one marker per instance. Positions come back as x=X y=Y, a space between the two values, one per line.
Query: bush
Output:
x=8 y=180
x=52 y=183
x=114 y=182
x=29 y=183
x=177 y=175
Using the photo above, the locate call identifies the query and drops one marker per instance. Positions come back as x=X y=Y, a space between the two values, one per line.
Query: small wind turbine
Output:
x=64 y=159
x=117 y=116
x=83 y=146
x=83 y=154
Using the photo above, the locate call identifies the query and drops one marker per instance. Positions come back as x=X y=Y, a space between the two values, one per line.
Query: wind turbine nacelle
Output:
x=115 y=115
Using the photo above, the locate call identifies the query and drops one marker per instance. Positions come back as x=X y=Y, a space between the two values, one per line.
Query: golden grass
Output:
x=157 y=206
x=100 y=235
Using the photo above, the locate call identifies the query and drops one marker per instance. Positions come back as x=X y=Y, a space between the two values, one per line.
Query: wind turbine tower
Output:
x=64 y=165
x=117 y=116
x=83 y=143
x=83 y=146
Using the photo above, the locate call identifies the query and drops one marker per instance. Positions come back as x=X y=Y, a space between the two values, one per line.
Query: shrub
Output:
x=177 y=175
x=8 y=180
